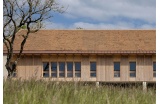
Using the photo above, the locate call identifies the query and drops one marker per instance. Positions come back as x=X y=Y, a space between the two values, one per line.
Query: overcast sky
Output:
x=105 y=14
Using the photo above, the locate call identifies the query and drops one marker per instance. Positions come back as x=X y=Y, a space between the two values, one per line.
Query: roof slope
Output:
x=88 y=41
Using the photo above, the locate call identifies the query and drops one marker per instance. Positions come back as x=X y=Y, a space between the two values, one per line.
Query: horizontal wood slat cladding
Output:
x=124 y=68
x=85 y=68
x=109 y=74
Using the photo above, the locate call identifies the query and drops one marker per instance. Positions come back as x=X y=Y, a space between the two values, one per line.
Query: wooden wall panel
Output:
x=45 y=58
x=69 y=58
x=93 y=58
x=117 y=58
x=22 y=68
x=61 y=58
x=85 y=69
x=154 y=58
x=37 y=68
x=140 y=68
x=53 y=58
x=29 y=67
x=132 y=58
x=148 y=70
x=13 y=58
x=101 y=68
x=124 y=68
x=77 y=58
x=109 y=73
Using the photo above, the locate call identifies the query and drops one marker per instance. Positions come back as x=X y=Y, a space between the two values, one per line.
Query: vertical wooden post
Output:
x=73 y=67
x=145 y=86
x=49 y=68
x=57 y=67
x=65 y=71
x=97 y=84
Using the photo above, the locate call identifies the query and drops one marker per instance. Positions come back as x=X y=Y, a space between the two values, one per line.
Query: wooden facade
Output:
x=31 y=66
x=87 y=55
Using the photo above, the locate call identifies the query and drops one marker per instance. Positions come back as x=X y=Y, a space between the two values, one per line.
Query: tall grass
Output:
x=47 y=92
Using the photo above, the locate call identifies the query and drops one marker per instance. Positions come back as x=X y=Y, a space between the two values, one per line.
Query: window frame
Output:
x=93 y=71
x=55 y=71
x=60 y=71
x=45 y=72
x=132 y=71
x=154 y=71
x=69 y=71
x=77 y=71
x=117 y=72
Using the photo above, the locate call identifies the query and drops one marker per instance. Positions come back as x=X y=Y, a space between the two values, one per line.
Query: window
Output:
x=116 y=69
x=93 y=69
x=69 y=69
x=53 y=69
x=45 y=69
x=132 y=69
x=77 y=69
x=154 y=69
x=61 y=69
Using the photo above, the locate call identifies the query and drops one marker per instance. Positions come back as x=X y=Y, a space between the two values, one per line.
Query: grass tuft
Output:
x=49 y=92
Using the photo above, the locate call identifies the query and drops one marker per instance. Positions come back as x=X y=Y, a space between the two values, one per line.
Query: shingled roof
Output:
x=88 y=41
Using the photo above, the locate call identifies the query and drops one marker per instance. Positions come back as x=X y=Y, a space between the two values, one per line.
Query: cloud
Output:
x=99 y=26
x=51 y=25
x=106 y=10
x=119 y=25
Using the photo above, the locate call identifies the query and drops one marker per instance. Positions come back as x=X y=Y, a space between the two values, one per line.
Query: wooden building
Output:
x=88 y=55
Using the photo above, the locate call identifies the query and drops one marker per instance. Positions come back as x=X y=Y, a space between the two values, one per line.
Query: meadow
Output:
x=47 y=92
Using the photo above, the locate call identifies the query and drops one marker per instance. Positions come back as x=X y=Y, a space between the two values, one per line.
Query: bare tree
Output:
x=28 y=14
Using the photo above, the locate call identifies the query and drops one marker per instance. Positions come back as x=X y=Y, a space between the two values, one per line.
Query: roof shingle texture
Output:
x=88 y=40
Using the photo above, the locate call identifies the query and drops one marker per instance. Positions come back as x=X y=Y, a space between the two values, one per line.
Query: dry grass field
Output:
x=43 y=92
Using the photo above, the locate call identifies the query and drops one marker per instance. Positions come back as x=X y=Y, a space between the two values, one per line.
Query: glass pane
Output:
x=77 y=66
x=45 y=74
x=62 y=66
x=69 y=74
x=45 y=66
x=93 y=74
x=154 y=74
x=93 y=66
x=116 y=74
x=116 y=66
x=77 y=74
x=154 y=66
x=61 y=75
x=69 y=66
x=54 y=74
x=132 y=66
x=54 y=66
x=132 y=74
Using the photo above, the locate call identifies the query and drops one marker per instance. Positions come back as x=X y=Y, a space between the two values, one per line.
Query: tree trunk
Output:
x=10 y=69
